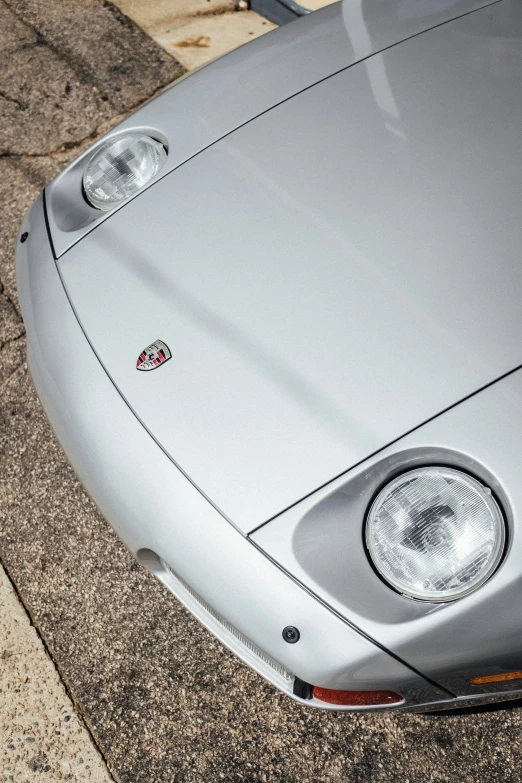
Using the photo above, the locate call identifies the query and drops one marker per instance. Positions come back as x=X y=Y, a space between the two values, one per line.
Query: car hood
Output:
x=207 y=104
x=328 y=277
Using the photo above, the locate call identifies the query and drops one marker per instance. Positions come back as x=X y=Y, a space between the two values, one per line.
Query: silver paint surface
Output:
x=115 y=458
x=334 y=274
x=321 y=543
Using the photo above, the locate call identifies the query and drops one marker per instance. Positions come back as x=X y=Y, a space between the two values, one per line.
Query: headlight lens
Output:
x=120 y=168
x=435 y=534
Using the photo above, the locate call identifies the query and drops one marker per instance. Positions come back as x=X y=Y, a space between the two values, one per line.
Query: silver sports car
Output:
x=275 y=320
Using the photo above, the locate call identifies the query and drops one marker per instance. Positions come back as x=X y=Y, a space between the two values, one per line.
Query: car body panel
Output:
x=117 y=461
x=327 y=277
x=320 y=542
x=212 y=102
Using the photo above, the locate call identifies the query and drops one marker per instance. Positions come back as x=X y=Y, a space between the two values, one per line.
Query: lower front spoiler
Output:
x=223 y=579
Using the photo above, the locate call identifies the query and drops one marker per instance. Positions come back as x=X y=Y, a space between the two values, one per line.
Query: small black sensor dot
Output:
x=291 y=634
x=24 y=237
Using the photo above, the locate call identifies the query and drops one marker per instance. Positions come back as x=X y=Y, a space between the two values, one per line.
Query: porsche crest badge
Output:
x=154 y=355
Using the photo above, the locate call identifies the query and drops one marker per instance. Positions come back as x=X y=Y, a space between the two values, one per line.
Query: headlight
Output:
x=120 y=168
x=435 y=534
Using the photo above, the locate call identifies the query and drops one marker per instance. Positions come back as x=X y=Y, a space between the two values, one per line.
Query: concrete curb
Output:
x=195 y=31
x=40 y=732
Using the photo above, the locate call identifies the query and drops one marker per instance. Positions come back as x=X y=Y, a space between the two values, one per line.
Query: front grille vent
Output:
x=234 y=639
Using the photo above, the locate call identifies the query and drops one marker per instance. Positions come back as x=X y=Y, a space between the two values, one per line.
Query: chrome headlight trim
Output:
x=121 y=167
x=450 y=542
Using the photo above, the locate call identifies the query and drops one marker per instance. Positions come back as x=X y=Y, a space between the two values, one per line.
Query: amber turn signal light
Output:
x=496 y=678
x=355 y=698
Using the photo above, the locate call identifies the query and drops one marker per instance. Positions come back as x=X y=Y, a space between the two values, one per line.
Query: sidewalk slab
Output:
x=195 y=31
x=204 y=38
x=40 y=734
x=161 y=14
x=315 y=5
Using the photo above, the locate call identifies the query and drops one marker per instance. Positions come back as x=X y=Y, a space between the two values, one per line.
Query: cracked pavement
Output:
x=68 y=71
x=164 y=701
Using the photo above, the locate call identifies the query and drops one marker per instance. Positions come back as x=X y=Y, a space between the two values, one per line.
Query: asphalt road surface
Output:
x=163 y=700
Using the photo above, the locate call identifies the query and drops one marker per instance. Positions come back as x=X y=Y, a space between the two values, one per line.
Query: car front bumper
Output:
x=232 y=587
